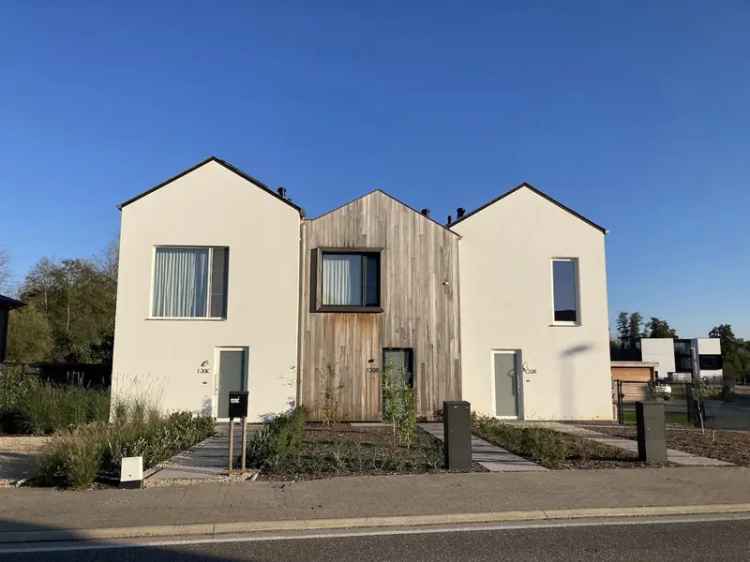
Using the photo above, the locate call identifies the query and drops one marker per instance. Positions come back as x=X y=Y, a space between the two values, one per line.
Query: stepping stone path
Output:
x=491 y=457
x=673 y=455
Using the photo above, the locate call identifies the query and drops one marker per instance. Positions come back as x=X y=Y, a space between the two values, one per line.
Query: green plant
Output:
x=278 y=441
x=399 y=406
x=75 y=457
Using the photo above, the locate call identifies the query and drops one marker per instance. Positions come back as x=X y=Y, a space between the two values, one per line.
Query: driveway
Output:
x=17 y=457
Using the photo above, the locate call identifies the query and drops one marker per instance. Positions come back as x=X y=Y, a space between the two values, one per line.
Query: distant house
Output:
x=6 y=305
x=225 y=285
x=679 y=359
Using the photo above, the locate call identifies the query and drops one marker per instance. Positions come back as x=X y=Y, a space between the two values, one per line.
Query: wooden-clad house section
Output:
x=341 y=352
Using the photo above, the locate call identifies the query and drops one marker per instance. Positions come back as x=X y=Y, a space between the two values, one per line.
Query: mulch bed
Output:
x=729 y=446
x=345 y=450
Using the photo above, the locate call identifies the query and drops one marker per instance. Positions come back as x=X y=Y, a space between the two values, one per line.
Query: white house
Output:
x=225 y=285
x=679 y=359
x=534 y=325
x=208 y=292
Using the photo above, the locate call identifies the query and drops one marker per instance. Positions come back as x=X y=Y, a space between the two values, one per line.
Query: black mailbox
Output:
x=238 y=404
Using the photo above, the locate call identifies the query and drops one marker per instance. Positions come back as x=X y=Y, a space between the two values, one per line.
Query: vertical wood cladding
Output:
x=343 y=351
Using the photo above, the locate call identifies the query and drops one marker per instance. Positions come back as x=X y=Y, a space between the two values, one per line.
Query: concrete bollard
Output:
x=457 y=435
x=652 y=443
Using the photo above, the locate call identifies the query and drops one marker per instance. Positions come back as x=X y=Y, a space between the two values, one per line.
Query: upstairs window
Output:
x=190 y=282
x=565 y=290
x=349 y=280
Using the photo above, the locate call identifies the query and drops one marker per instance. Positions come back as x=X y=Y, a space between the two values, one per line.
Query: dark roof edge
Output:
x=396 y=199
x=7 y=302
x=229 y=167
x=538 y=192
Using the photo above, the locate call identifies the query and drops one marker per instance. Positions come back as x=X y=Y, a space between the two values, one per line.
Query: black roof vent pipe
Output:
x=425 y=212
x=281 y=191
x=460 y=212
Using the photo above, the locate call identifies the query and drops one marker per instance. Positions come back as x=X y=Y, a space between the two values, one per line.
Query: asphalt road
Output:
x=700 y=541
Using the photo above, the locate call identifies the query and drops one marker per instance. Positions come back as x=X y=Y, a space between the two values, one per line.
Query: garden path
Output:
x=673 y=455
x=491 y=457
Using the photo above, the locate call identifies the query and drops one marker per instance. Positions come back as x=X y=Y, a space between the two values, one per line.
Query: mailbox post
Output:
x=238 y=409
x=457 y=434
x=652 y=447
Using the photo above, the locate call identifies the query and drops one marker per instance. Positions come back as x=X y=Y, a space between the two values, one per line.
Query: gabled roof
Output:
x=229 y=167
x=9 y=303
x=396 y=199
x=538 y=192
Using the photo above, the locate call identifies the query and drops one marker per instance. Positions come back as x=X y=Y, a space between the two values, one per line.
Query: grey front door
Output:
x=232 y=369
x=506 y=383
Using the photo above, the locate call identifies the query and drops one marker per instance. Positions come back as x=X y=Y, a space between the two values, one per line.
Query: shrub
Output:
x=28 y=405
x=76 y=456
x=544 y=445
x=278 y=441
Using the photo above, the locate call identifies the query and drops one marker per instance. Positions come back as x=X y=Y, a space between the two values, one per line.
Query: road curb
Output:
x=211 y=529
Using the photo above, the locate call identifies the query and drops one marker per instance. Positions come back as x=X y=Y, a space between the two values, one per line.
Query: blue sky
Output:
x=635 y=114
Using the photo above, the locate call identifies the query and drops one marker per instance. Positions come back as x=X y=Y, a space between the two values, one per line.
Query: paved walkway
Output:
x=491 y=457
x=206 y=461
x=673 y=455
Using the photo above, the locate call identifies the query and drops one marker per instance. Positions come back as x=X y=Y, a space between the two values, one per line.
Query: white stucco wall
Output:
x=661 y=351
x=506 y=304
x=160 y=359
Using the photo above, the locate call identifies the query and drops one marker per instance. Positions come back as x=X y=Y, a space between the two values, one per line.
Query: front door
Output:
x=505 y=365
x=232 y=370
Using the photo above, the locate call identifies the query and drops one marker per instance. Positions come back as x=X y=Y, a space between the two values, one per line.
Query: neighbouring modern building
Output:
x=678 y=359
x=224 y=285
x=6 y=305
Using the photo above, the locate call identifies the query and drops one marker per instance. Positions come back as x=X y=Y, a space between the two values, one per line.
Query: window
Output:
x=398 y=364
x=565 y=290
x=190 y=282
x=350 y=279
x=710 y=362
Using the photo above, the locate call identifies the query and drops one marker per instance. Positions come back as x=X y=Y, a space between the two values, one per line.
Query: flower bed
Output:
x=76 y=457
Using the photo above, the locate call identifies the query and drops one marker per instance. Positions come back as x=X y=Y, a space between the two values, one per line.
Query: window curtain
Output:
x=181 y=282
x=342 y=279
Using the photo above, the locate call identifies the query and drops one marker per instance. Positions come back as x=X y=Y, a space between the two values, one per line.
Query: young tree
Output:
x=29 y=335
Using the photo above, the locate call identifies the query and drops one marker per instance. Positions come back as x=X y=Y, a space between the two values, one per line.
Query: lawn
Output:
x=551 y=448
x=725 y=445
x=343 y=449
x=670 y=418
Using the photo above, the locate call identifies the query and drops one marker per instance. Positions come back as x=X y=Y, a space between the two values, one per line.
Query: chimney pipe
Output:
x=425 y=212
x=281 y=191
x=450 y=220
x=460 y=212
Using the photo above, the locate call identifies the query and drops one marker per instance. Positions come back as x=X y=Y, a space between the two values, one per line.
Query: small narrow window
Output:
x=190 y=282
x=565 y=289
x=350 y=279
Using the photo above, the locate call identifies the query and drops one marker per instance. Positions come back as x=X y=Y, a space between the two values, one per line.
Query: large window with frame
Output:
x=565 y=290
x=349 y=280
x=190 y=282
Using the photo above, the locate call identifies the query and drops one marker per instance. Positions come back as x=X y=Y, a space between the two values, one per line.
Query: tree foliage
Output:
x=657 y=328
x=735 y=353
x=71 y=305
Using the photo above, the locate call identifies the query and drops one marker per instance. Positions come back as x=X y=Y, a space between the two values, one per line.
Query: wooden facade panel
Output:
x=419 y=298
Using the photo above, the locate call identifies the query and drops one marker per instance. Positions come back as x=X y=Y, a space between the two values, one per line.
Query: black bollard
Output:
x=457 y=433
x=652 y=444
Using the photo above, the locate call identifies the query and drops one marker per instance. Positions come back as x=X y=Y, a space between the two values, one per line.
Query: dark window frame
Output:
x=575 y=261
x=410 y=354
x=377 y=252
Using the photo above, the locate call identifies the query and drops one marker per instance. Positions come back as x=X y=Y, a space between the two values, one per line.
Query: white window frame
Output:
x=150 y=315
x=576 y=263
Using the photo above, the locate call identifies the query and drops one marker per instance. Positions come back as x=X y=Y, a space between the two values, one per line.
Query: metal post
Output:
x=244 y=444
x=620 y=405
x=231 y=445
x=652 y=444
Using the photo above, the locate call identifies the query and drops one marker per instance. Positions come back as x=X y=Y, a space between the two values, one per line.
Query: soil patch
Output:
x=725 y=445
x=345 y=450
